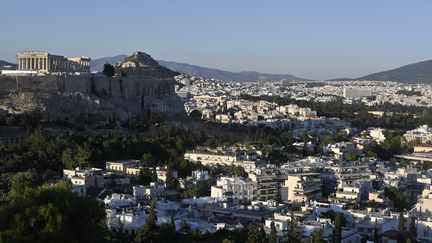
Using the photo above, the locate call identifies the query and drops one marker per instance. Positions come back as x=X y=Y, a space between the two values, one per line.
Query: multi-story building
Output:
x=83 y=179
x=209 y=159
x=267 y=183
x=302 y=187
x=122 y=166
x=353 y=192
x=422 y=134
x=235 y=189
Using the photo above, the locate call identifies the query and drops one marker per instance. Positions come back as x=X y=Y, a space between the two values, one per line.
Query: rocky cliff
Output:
x=140 y=84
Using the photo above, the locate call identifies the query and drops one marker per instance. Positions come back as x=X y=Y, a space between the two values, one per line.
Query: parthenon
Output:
x=48 y=63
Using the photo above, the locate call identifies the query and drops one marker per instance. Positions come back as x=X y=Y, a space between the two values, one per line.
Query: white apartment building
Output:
x=209 y=159
x=234 y=189
x=422 y=133
x=353 y=191
x=83 y=179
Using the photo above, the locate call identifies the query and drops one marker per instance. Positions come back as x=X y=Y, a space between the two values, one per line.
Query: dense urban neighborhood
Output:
x=261 y=161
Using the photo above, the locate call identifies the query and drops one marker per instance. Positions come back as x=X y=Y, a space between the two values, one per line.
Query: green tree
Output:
x=318 y=236
x=144 y=176
x=294 y=232
x=273 y=236
x=337 y=231
x=253 y=234
x=172 y=221
x=239 y=171
x=50 y=213
x=413 y=228
x=401 y=228
x=148 y=159
x=195 y=114
x=398 y=199
x=148 y=232
x=184 y=226
x=376 y=236
x=108 y=70
x=171 y=182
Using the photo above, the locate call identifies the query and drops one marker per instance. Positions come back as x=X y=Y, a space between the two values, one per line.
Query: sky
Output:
x=318 y=39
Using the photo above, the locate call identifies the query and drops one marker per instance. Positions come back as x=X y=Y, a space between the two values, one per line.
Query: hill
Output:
x=420 y=72
x=206 y=72
x=7 y=65
x=97 y=64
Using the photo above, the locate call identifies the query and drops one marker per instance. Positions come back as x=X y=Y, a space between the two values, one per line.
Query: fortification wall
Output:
x=131 y=88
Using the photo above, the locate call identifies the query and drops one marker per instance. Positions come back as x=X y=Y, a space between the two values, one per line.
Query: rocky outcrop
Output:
x=141 y=84
x=142 y=64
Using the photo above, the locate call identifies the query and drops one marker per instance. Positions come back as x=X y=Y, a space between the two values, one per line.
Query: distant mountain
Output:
x=97 y=64
x=224 y=75
x=7 y=65
x=420 y=72
x=340 y=79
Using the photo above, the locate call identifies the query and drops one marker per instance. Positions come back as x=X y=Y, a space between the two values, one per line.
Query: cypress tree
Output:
x=273 y=236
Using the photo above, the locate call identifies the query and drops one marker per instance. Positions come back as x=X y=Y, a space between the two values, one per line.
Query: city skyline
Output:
x=312 y=40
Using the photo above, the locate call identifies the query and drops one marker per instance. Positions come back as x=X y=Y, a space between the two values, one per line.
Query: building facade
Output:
x=46 y=63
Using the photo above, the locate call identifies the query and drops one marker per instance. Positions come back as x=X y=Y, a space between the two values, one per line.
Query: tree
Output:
x=273 y=236
x=195 y=114
x=240 y=171
x=148 y=159
x=413 y=228
x=144 y=176
x=294 y=233
x=171 y=182
x=376 y=236
x=50 y=213
x=108 y=70
x=148 y=232
x=255 y=235
x=262 y=237
x=184 y=226
x=401 y=228
x=398 y=199
x=318 y=236
x=172 y=222
x=337 y=231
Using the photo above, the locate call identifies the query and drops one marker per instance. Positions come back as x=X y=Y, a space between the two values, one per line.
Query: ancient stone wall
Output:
x=130 y=88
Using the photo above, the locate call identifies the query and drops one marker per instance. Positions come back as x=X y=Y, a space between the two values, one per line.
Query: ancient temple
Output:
x=47 y=63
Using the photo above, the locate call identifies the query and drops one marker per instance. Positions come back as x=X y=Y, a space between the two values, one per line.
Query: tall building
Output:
x=302 y=187
x=235 y=189
x=267 y=184
x=46 y=63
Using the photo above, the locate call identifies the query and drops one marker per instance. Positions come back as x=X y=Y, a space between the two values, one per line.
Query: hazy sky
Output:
x=312 y=39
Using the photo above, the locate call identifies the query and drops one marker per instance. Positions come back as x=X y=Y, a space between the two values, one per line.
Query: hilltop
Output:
x=420 y=72
x=205 y=72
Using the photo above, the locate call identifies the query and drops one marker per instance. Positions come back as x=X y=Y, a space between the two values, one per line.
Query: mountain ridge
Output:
x=205 y=72
x=418 y=72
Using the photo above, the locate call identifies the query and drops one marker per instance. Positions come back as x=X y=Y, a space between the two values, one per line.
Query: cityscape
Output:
x=127 y=147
